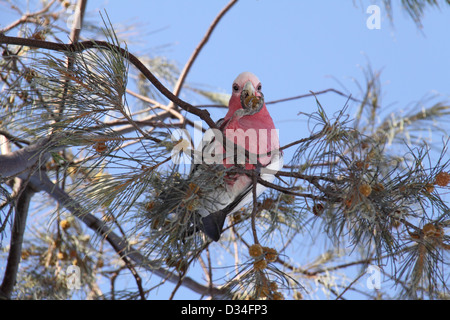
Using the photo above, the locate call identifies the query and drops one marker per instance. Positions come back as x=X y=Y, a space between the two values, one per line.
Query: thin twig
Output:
x=136 y=276
x=190 y=62
x=307 y=95
x=27 y=16
x=312 y=94
x=78 y=21
x=254 y=210
x=156 y=105
x=288 y=190
x=73 y=38
x=314 y=136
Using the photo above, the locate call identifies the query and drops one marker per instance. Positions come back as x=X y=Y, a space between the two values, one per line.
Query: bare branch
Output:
x=26 y=17
x=17 y=232
x=312 y=94
x=78 y=21
x=19 y=162
x=187 y=67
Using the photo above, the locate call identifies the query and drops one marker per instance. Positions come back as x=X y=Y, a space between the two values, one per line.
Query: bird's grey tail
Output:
x=213 y=224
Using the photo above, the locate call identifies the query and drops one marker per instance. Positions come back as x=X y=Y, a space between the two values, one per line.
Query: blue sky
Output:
x=293 y=47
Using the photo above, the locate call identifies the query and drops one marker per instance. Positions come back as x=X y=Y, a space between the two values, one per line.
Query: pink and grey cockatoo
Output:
x=247 y=138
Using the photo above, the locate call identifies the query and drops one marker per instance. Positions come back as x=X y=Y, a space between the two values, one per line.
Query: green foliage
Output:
x=415 y=8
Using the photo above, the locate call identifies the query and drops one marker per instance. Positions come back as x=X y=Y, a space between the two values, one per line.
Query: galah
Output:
x=247 y=137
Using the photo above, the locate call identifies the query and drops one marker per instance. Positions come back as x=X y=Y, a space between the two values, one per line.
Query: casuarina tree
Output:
x=102 y=180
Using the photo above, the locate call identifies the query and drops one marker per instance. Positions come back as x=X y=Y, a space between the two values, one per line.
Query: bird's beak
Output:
x=251 y=102
x=248 y=89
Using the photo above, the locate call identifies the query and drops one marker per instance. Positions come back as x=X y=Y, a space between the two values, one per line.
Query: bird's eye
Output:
x=259 y=87
x=235 y=87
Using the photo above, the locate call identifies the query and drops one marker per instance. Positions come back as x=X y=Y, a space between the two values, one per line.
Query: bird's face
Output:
x=247 y=90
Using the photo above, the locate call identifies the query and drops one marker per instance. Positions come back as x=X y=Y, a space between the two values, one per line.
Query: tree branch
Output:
x=313 y=94
x=79 y=17
x=74 y=37
x=15 y=250
x=27 y=16
x=85 y=45
x=21 y=161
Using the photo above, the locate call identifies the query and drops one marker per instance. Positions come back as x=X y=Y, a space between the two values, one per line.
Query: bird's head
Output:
x=246 y=92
